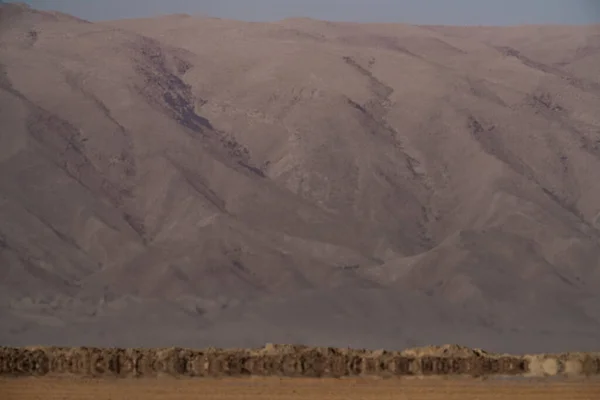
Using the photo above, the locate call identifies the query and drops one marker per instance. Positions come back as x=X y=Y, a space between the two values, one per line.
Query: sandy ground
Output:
x=275 y=388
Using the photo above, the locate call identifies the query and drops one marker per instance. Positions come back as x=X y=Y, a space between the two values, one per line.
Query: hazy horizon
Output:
x=443 y=12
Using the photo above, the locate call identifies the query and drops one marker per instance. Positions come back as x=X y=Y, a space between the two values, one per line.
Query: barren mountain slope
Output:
x=230 y=183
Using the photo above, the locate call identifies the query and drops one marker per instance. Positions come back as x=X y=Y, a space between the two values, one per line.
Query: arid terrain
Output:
x=289 y=361
x=274 y=372
x=290 y=389
x=200 y=182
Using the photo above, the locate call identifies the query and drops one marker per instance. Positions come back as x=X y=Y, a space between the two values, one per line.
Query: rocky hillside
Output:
x=194 y=181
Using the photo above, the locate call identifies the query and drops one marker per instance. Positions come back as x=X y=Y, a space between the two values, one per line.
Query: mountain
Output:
x=194 y=181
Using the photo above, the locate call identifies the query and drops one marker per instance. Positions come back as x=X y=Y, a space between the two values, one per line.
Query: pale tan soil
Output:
x=288 y=389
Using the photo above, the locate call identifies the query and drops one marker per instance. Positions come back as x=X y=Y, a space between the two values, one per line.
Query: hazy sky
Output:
x=461 y=12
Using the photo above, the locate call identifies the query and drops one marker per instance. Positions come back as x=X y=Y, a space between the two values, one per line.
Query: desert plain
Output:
x=200 y=182
x=291 y=389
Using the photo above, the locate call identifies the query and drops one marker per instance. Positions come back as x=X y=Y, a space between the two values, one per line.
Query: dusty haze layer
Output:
x=203 y=182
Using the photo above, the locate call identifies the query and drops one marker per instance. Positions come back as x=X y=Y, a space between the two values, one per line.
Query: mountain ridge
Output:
x=298 y=181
